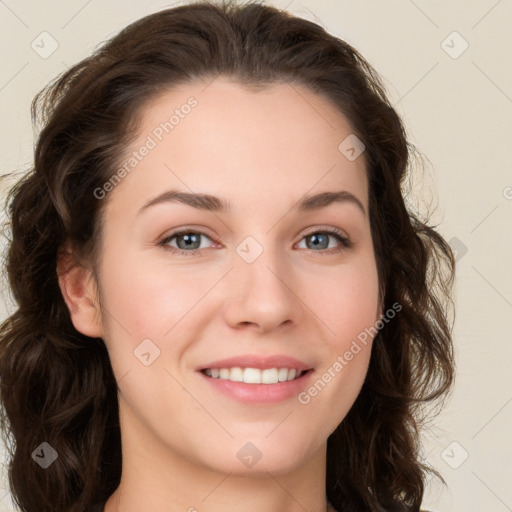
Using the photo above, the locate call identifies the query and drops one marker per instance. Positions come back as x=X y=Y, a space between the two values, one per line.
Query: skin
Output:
x=261 y=151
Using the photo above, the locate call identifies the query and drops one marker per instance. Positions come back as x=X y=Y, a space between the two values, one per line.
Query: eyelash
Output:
x=345 y=242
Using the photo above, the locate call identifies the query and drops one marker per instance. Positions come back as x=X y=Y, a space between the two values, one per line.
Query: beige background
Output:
x=458 y=111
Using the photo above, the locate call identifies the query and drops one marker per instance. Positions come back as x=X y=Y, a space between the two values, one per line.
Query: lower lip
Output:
x=260 y=393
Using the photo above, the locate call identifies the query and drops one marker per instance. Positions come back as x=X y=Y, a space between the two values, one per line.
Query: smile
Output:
x=254 y=375
x=263 y=387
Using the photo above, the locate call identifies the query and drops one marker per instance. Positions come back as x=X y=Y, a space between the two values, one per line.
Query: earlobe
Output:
x=79 y=290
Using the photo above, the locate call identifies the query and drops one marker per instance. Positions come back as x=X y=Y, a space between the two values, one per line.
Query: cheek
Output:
x=146 y=326
x=148 y=301
x=347 y=302
x=348 y=308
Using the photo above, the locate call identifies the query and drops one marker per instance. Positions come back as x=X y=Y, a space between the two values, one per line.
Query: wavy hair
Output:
x=57 y=385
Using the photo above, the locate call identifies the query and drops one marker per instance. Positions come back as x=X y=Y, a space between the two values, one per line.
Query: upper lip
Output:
x=261 y=362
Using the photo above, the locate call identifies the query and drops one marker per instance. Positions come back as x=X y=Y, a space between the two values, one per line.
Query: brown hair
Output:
x=57 y=384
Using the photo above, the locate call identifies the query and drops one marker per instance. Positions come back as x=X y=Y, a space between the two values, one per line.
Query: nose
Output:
x=263 y=294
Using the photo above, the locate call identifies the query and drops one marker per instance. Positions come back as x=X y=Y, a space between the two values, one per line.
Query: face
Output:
x=251 y=276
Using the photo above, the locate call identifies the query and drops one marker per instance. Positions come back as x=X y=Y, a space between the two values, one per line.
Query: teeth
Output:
x=254 y=375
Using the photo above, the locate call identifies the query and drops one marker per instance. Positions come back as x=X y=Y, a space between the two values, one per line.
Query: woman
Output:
x=223 y=301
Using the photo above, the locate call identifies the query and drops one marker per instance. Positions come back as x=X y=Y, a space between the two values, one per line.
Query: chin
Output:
x=258 y=456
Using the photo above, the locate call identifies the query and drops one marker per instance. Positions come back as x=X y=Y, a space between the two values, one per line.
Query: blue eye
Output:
x=189 y=242
x=318 y=239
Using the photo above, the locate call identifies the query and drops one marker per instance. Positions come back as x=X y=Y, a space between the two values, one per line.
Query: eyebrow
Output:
x=216 y=204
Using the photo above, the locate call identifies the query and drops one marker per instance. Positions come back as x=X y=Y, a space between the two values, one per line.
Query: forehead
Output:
x=274 y=144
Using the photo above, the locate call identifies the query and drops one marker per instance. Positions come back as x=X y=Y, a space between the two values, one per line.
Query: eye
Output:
x=186 y=239
x=188 y=242
x=320 y=238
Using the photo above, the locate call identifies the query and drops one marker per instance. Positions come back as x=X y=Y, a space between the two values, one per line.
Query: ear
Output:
x=79 y=289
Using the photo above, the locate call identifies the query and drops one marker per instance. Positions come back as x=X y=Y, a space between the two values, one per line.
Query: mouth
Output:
x=256 y=386
x=255 y=375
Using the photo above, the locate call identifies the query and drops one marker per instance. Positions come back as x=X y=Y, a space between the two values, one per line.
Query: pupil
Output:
x=315 y=244
x=189 y=239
